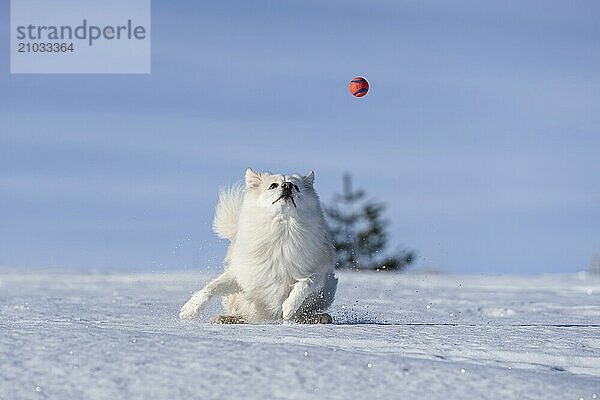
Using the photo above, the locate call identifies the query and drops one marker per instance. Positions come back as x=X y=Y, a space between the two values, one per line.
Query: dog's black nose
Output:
x=287 y=186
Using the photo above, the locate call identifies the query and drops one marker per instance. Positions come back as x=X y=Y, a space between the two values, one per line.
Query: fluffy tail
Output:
x=227 y=213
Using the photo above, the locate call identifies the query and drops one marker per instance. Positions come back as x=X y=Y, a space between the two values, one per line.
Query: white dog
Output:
x=281 y=259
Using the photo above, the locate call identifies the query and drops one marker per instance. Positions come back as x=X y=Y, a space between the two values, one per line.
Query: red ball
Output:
x=358 y=86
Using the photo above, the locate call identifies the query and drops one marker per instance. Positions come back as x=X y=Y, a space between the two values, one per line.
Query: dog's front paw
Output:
x=288 y=310
x=188 y=311
x=192 y=307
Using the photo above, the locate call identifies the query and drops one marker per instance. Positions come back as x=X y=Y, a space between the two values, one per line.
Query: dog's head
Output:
x=282 y=193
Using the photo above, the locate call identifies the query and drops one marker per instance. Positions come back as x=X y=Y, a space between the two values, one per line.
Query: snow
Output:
x=110 y=336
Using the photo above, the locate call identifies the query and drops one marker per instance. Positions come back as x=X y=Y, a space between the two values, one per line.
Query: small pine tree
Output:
x=594 y=268
x=359 y=232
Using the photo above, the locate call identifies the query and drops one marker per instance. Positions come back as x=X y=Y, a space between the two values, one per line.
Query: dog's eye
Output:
x=296 y=187
x=273 y=185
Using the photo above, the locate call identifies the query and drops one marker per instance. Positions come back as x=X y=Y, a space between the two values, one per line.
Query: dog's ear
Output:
x=252 y=178
x=309 y=177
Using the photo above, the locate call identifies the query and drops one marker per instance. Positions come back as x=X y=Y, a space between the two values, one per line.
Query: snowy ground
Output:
x=116 y=336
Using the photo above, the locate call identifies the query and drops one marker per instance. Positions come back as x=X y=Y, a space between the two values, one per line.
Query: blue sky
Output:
x=481 y=132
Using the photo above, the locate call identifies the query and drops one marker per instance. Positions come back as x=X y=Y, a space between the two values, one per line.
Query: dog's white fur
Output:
x=280 y=261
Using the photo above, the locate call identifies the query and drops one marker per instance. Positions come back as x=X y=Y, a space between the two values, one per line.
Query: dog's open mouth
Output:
x=286 y=196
